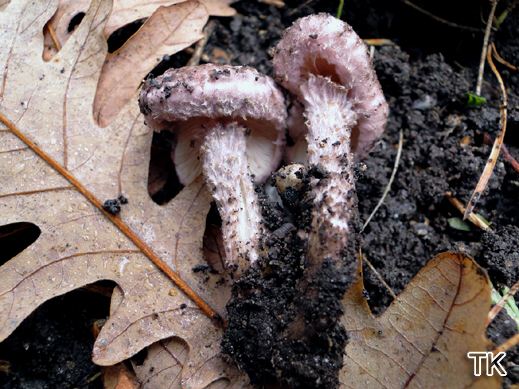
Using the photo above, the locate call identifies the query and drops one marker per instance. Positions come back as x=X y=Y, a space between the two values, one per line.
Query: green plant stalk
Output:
x=340 y=8
x=510 y=307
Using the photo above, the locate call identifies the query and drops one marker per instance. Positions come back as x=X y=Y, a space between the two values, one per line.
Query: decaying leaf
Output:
x=172 y=26
x=51 y=104
x=169 y=30
x=123 y=13
x=165 y=367
x=119 y=377
x=422 y=339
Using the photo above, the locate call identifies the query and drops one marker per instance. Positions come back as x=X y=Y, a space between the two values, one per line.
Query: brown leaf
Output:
x=423 y=338
x=165 y=367
x=3 y=4
x=123 y=13
x=119 y=377
x=51 y=104
x=214 y=250
x=169 y=30
x=126 y=11
x=172 y=26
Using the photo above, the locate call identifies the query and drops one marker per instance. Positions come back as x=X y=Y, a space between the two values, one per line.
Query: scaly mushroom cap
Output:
x=191 y=99
x=324 y=45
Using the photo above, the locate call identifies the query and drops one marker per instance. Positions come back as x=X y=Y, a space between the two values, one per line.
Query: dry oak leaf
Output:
x=123 y=12
x=51 y=105
x=164 y=365
x=165 y=362
x=169 y=30
x=119 y=377
x=170 y=363
x=422 y=339
x=172 y=26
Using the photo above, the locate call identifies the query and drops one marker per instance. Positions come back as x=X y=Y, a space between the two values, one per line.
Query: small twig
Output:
x=503 y=61
x=53 y=36
x=296 y=9
x=200 y=45
x=484 y=50
x=439 y=19
x=93 y=378
x=496 y=148
x=391 y=179
x=473 y=218
x=379 y=42
x=378 y=275
x=275 y=3
x=501 y=303
x=506 y=154
x=507 y=345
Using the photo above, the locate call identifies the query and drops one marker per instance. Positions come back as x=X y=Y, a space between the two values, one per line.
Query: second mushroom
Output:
x=229 y=123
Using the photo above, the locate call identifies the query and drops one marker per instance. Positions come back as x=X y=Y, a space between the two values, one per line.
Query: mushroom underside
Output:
x=263 y=148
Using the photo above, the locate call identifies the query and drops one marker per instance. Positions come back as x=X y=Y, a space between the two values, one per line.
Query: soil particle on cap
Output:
x=217 y=74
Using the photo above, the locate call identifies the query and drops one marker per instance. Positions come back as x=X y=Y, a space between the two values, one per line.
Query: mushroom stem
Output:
x=224 y=165
x=330 y=119
x=331 y=255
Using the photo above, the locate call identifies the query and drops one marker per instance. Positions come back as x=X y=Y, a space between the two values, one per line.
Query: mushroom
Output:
x=324 y=46
x=229 y=123
x=326 y=66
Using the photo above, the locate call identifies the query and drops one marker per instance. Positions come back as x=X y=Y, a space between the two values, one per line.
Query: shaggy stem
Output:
x=331 y=256
x=226 y=171
x=330 y=119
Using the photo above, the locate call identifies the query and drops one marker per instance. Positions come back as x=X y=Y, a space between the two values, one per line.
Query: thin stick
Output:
x=379 y=42
x=484 y=50
x=54 y=37
x=506 y=154
x=200 y=46
x=379 y=276
x=143 y=247
x=507 y=345
x=438 y=19
x=391 y=179
x=275 y=3
x=501 y=303
x=473 y=218
x=496 y=148
x=503 y=61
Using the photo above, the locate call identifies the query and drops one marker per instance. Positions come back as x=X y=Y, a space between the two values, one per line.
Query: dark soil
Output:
x=426 y=80
x=52 y=348
x=283 y=320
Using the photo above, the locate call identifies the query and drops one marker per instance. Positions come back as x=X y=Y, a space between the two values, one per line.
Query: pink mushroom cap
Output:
x=192 y=99
x=324 y=45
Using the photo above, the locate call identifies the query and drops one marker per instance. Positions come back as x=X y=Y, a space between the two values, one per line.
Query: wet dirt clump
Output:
x=283 y=317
